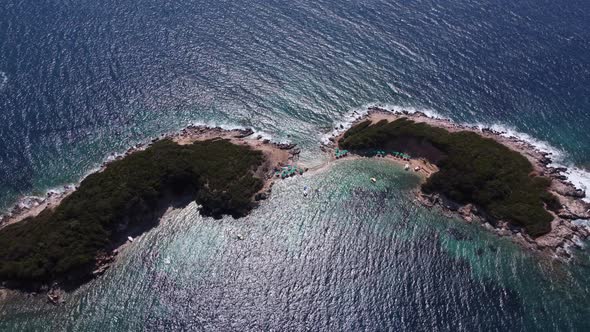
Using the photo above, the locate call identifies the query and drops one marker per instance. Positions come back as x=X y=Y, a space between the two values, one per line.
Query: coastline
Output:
x=275 y=156
x=564 y=234
x=275 y=153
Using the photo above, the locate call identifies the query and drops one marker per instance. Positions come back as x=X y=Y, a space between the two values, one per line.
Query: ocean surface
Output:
x=81 y=80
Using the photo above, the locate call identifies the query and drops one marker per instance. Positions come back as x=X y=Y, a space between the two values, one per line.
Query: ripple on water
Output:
x=3 y=80
x=353 y=256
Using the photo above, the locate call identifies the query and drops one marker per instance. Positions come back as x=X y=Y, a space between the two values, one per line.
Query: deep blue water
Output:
x=80 y=80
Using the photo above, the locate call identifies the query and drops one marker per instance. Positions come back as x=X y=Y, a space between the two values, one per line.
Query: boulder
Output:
x=260 y=196
x=245 y=133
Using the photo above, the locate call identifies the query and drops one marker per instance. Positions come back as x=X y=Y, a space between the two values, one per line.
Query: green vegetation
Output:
x=127 y=196
x=473 y=169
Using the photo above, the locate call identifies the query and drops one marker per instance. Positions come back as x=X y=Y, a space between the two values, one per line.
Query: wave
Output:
x=508 y=131
x=33 y=200
x=3 y=80
x=359 y=112
x=226 y=126
x=30 y=200
x=579 y=177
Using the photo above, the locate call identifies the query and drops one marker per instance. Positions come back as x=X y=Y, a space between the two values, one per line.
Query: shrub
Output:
x=216 y=173
x=474 y=169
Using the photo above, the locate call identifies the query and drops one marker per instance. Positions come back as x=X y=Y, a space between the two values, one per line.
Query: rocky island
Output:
x=66 y=239
x=479 y=174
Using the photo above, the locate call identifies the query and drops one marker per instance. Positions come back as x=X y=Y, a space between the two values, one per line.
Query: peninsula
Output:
x=68 y=238
x=482 y=175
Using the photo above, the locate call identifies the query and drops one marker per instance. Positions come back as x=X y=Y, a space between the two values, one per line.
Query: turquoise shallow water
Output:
x=80 y=80
x=351 y=257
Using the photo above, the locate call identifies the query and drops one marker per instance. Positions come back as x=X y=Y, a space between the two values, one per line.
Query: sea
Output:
x=82 y=80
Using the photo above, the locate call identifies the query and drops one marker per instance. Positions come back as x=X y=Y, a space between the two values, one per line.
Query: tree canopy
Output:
x=216 y=174
x=472 y=169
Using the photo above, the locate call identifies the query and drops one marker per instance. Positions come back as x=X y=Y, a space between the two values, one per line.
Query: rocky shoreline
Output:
x=29 y=206
x=276 y=155
x=564 y=234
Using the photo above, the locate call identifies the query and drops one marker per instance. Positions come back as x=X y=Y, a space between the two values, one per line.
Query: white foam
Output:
x=3 y=80
x=345 y=123
x=397 y=109
x=580 y=178
x=349 y=118
x=226 y=126
x=508 y=131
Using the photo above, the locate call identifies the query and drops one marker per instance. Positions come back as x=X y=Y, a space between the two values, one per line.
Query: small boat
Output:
x=373 y=180
x=407 y=167
x=305 y=191
x=130 y=239
x=240 y=237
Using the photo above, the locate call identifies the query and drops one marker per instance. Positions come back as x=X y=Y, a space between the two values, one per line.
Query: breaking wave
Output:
x=352 y=116
x=579 y=177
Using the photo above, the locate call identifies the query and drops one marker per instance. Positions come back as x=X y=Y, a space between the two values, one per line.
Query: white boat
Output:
x=373 y=180
x=305 y=191
x=130 y=239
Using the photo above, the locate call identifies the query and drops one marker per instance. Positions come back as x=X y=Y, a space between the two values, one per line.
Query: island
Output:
x=69 y=238
x=60 y=241
x=482 y=175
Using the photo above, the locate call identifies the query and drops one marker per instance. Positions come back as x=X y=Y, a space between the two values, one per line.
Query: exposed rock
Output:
x=559 y=233
x=285 y=146
x=245 y=133
x=55 y=296
x=567 y=189
x=448 y=204
x=467 y=212
x=545 y=161
x=566 y=214
x=260 y=196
